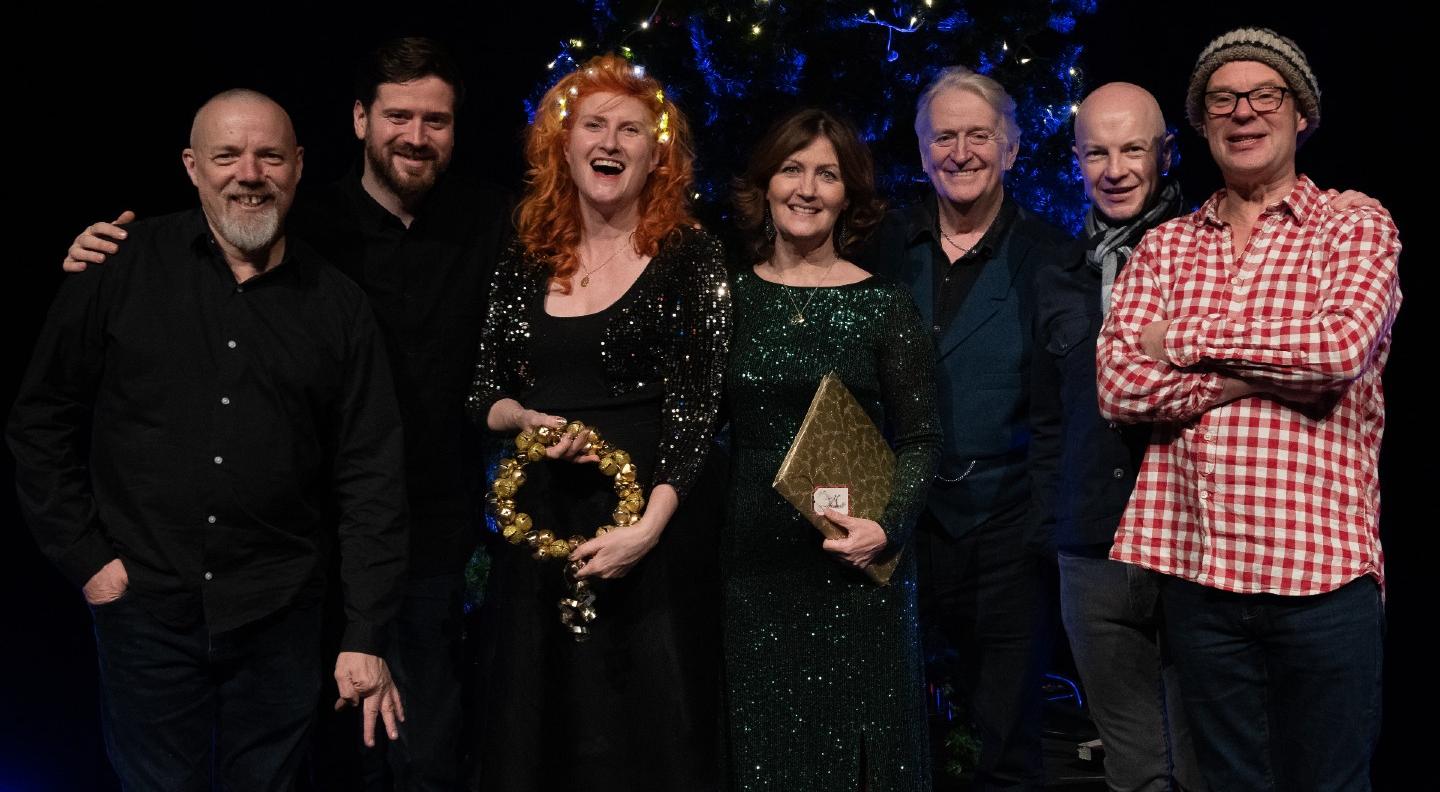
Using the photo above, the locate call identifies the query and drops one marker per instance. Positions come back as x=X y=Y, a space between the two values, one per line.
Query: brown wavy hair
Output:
x=547 y=221
x=790 y=134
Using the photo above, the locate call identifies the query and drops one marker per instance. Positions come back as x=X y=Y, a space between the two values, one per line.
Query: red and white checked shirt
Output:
x=1256 y=495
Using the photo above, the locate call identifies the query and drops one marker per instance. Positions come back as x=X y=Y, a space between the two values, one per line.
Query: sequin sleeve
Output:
x=698 y=338
x=907 y=389
x=506 y=322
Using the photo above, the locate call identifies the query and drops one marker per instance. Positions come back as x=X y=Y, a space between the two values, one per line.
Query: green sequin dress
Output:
x=823 y=667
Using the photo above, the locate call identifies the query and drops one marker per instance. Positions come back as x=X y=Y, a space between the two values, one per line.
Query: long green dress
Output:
x=823 y=667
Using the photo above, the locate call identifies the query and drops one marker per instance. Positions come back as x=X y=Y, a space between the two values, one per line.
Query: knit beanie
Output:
x=1267 y=47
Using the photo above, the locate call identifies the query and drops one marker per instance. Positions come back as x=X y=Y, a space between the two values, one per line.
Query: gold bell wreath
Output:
x=578 y=610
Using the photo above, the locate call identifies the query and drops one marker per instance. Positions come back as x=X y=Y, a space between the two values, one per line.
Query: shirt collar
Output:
x=1302 y=202
x=924 y=220
x=297 y=261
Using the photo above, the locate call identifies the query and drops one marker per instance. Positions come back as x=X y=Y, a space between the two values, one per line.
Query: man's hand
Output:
x=364 y=679
x=1351 y=199
x=1233 y=388
x=96 y=243
x=863 y=540
x=1152 y=340
x=107 y=585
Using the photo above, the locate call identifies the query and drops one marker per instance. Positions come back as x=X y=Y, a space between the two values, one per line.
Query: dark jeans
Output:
x=987 y=596
x=1283 y=693
x=1112 y=617
x=179 y=706
x=424 y=659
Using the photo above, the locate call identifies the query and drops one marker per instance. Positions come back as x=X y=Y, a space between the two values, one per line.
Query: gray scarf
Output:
x=1109 y=245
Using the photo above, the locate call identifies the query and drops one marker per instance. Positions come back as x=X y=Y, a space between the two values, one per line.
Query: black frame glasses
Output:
x=1265 y=99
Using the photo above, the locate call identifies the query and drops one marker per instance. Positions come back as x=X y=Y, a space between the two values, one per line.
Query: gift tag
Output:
x=837 y=498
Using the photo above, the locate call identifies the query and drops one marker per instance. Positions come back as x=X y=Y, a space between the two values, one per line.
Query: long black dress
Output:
x=636 y=706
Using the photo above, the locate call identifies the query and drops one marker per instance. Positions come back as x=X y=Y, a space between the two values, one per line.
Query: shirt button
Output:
x=1209 y=436
x=1114 y=425
x=935 y=328
x=224 y=399
x=209 y=576
x=1204 y=495
x=210 y=519
x=219 y=460
x=1118 y=472
x=239 y=289
x=230 y=344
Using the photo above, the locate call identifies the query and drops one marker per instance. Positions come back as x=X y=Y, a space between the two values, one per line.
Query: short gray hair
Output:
x=961 y=78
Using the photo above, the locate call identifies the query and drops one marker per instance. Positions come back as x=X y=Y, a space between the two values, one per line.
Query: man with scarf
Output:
x=1083 y=467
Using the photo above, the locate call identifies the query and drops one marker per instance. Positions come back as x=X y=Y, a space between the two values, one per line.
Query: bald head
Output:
x=239 y=101
x=1123 y=148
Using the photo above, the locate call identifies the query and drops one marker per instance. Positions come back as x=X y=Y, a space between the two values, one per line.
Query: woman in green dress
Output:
x=823 y=667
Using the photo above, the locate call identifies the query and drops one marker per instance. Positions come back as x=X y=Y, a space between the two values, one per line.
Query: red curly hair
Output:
x=547 y=221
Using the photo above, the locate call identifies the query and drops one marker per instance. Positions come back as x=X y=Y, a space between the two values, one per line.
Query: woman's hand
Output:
x=620 y=549
x=508 y=415
x=863 y=540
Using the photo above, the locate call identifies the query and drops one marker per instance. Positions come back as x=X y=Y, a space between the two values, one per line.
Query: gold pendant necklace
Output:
x=585 y=281
x=798 y=315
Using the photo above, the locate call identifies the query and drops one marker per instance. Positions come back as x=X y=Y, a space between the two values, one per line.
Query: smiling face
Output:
x=962 y=171
x=1122 y=148
x=245 y=164
x=409 y=134
x=611 y=150
x=1249 y=146
x=807 y=194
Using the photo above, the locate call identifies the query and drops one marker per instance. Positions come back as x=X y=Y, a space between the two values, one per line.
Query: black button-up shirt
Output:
x=953 y=280
x=215 y=436
x=427 y=284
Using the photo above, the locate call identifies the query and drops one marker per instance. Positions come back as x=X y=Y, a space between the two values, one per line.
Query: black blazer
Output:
x=983 y=370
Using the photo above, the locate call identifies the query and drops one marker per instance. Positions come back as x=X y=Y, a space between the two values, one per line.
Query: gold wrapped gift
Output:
x=839 y=455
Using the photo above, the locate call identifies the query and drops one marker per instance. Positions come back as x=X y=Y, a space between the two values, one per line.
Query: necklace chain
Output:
x=798 y=316
x=585 y=281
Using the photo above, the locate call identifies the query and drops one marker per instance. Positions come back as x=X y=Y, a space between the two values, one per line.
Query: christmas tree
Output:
x=735 y=67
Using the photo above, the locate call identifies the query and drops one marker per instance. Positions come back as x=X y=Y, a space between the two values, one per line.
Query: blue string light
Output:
x=741 y=58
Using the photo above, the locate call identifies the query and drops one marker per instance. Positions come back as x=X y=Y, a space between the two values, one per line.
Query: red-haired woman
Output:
x=612 y=309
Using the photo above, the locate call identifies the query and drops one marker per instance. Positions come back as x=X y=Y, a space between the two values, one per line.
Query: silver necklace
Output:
x=798 y=316
x=963 y=250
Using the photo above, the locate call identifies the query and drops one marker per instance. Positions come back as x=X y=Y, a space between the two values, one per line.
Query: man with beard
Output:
x=200 y=417
x=1252 y=335
x=421 y=243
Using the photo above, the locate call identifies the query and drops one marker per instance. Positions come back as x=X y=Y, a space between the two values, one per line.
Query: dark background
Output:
x=103 y=109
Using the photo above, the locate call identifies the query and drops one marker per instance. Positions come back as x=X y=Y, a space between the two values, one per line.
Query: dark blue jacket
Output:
x=983 y=360
x=1083 y=466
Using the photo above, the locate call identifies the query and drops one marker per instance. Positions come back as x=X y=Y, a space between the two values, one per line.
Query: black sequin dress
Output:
x=823 y=667
x=636 y=706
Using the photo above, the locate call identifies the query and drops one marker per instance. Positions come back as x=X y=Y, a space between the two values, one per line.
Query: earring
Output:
x=769 y=226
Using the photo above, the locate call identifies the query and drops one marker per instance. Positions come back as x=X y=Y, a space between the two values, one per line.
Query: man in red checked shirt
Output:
x=1252 y=334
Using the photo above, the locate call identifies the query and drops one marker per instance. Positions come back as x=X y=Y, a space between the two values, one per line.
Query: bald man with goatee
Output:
x=200 y=421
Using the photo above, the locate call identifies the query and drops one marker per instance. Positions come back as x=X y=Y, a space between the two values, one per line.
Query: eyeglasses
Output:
x=975 y=138
x=1262 y=100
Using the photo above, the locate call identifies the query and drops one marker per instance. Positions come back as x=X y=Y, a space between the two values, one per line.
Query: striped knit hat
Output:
x=1267 y=47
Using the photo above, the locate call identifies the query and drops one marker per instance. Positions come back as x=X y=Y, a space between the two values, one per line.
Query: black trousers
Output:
x=988 y=596
x=181 y=706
